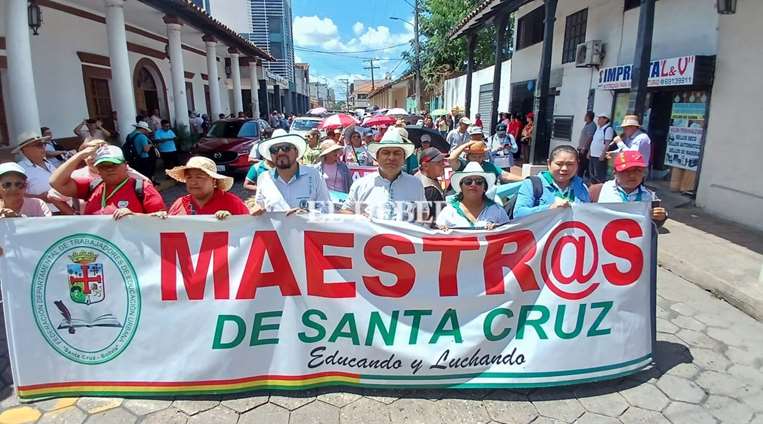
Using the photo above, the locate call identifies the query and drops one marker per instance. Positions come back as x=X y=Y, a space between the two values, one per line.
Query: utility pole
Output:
x=372 y=67
x=346 y=91
x=419 y=106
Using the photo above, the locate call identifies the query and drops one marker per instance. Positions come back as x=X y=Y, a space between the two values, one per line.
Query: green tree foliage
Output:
x=440 y=56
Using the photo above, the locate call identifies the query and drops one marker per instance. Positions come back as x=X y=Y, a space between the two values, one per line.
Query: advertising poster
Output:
x=685 y=136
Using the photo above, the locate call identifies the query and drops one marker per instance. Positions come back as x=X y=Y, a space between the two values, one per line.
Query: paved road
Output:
x=709 y=368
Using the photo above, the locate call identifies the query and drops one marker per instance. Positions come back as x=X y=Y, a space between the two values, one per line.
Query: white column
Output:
x=238 y=101
x=121 y=81
x=177 y=70
x=254 y=78
x=22 y=97
x=214 y=83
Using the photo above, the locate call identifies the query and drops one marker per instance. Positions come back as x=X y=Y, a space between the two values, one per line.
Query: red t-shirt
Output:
x=125 y=197
x=220 y=201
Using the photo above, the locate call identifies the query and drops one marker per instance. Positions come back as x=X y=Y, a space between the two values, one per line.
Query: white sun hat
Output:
x=472 y=169
x=281 y=136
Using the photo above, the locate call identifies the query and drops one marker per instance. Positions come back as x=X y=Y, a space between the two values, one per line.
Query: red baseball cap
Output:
x=629 y=159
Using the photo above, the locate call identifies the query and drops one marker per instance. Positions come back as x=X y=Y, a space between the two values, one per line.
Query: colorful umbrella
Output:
x=438 y=112
x=397 y=111
x=379 y=120
x=317 y=111
x=340 y=120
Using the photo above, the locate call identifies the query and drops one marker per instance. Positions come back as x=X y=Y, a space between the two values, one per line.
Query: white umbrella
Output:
x=397 y=111
x=317 y=111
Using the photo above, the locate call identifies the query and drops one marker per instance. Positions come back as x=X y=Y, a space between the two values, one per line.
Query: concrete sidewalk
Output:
x=717 y=255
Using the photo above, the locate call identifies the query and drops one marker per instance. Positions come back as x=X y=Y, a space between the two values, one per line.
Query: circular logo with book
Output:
x=86 y=299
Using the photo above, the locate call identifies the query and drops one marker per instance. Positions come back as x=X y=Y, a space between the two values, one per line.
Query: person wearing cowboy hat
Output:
x=13 y=200
x=115 y=193
x=208 y=191
x=471 y=208
x=289 y=187
x=476 y=151
x=146 y=161
x=38 y=171
x=334 y=172
x=388 y=193
x=628 y=185
x=634 y=138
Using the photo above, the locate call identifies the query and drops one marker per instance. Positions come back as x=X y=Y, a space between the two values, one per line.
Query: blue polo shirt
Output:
x=165 y=140
x=141 y=141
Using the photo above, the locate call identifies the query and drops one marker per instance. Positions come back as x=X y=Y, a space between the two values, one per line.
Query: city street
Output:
x=709 y=368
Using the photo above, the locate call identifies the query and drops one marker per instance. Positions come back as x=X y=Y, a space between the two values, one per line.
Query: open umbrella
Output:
x=438 y=112
x=397 y=111
x=340 y=120
x=436 y=139
x=317 y=111
x=379 y=120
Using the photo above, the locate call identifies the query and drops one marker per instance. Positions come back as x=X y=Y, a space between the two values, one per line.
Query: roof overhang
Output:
x=482 y=14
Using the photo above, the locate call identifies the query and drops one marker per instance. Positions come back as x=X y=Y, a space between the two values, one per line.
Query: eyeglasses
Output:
x=280 y=148
x=470 y=181
x=18 y=185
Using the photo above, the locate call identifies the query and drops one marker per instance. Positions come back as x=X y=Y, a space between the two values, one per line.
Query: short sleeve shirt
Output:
x=38 y=178
x=639 y=141
x=456 y=138
x=141 y=141
x=453 y=216
x=601 y=139
x=381 y=198
x=220 y=201
x=168 y=145
x=124 y=197
x=276 y=195
x=256 y=170
x=34 y=207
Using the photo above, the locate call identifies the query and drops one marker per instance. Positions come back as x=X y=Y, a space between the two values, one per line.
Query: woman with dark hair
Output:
x=527 y=137
x=561 y=187
x=471 y=208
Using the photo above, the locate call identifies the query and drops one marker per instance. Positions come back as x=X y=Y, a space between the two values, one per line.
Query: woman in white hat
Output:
x=207 y=191
x=13 y=202
x=334 y=172
x=471 y=208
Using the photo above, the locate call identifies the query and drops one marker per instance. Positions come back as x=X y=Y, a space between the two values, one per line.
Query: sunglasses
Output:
x=281 y=148
x=18 y=185
x=470 y=181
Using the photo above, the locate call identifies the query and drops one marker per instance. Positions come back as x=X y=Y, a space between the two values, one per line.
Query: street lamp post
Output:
x=417 y=47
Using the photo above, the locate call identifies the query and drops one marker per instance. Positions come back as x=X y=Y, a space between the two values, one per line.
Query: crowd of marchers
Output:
x=293 y=174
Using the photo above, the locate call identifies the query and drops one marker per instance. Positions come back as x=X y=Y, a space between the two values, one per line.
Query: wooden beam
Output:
x=146 y=51
x=93 y=58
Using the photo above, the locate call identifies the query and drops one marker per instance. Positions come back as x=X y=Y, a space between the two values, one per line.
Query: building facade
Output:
x=360 y=90
x=394 y=94
x=117 y=59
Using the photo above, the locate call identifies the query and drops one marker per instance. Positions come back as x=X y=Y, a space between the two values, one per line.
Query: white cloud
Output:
x=312 y=31
x=358 y=28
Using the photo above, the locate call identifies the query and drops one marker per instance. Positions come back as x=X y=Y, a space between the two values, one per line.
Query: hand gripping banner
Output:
x=192 y=305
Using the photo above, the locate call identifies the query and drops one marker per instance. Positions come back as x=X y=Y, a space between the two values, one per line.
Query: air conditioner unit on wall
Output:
x=589 y=54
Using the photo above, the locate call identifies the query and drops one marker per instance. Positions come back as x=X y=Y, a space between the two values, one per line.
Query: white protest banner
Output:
x=192 y=305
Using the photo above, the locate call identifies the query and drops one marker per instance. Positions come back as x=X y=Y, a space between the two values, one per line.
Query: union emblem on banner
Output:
x=86 y=283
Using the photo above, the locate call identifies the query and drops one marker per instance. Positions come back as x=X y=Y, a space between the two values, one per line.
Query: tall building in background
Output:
x=204 y=4
x=271 y=30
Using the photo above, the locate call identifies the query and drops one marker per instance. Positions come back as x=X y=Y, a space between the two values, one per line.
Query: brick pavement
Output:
x=708 y=368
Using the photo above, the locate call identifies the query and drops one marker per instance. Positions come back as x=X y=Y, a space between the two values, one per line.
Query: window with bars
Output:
x=530 y=28
x=574 y=34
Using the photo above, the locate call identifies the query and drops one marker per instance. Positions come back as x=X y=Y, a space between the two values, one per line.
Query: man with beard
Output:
x=288 y=187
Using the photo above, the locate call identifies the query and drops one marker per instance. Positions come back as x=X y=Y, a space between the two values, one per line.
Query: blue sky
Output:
x=345 y=28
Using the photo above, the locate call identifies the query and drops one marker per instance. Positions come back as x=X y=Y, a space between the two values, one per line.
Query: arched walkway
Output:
x=150 y=89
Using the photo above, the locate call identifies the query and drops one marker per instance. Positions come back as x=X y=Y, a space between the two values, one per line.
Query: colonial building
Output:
x=397 y=93
x=359 y=91
x=118 y=58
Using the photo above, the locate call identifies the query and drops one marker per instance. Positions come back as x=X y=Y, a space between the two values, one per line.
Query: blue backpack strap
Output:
x=537 y=189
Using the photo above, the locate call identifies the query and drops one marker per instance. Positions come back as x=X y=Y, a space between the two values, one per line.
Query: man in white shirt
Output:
x=597 y=164
x=288 y=187
x=634 y=138
x=458 y=136
x=38 y=171
x=390 y=193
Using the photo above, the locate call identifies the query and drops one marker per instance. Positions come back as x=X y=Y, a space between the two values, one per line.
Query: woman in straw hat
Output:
x=207 y=191
x=334 y=172
x=471 y=208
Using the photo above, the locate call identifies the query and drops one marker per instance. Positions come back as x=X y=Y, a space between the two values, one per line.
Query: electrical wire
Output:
x=353 y=51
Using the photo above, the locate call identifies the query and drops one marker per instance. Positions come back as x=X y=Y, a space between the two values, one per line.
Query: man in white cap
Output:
x=145 y=161
x=635 y=138
x=602 y=138
x=115 y=193
x=38 y=171
x=389 y=193
x=288 y=187
x=459 y=136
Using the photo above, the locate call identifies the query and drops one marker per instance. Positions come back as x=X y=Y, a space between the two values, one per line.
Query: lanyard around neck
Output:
x=105 y=198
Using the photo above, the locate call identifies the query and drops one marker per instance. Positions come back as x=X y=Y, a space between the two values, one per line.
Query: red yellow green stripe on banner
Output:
x=316 y=380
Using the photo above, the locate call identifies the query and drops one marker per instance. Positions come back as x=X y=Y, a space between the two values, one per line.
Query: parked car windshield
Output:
x=225 y=129
x=249 y=130
x=304 y=124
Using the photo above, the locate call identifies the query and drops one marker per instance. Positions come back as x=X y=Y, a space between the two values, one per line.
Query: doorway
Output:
x=658 y=126
x=150 y=90
x=98 y=95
